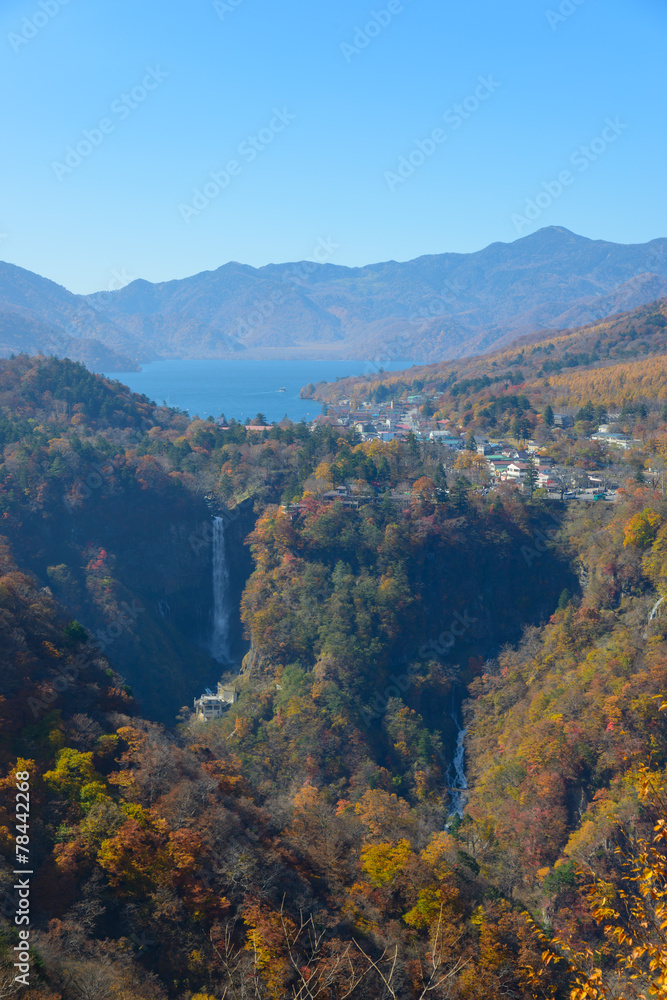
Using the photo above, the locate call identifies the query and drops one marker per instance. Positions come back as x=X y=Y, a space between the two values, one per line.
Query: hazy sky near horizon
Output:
x=157 y=140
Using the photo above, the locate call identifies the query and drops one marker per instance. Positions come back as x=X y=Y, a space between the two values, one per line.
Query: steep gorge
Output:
x=137 y=571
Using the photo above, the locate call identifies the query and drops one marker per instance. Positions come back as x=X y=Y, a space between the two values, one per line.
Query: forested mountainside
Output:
x=619 y=360
x=105 y=525
x=309 y=843
x=37 y=315
x=438 y=306
x=24 y=334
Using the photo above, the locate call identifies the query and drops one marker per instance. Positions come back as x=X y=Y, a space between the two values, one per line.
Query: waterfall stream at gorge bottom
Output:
x=457 y=783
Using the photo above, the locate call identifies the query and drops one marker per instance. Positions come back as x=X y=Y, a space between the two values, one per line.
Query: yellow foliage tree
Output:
x=642 y=528
x=633 y=917
x=384 y=863
x=323 y=472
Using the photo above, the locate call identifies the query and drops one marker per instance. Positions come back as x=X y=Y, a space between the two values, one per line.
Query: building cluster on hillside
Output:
x=391 y=421
x=396 y=419
x=504 y=462
x=615 y=438
x=512 y=464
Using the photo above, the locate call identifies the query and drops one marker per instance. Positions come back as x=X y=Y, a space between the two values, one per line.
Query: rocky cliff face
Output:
x=240 y=567
x=137 y=573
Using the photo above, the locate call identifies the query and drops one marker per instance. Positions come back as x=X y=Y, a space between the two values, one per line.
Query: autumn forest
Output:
x=317 y=840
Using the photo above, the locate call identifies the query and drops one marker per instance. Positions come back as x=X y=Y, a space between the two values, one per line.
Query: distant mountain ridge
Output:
x=436 y=307
x=37 y=315
x=609 y=348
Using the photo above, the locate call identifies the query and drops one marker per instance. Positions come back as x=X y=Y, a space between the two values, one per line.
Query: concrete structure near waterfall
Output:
x=228 y=693
x=211 y=706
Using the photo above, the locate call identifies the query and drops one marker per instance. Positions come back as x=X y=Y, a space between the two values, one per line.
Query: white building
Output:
x=211 y=706
x=545 y=477
x=617 y=439
x=517 y=470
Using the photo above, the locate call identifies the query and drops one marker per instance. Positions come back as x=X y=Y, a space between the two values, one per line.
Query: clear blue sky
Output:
x=119 y=214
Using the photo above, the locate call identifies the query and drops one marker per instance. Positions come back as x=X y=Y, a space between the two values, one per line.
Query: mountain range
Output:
x=432 y=308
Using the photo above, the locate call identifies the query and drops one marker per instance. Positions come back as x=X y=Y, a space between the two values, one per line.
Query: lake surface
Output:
x=245 y=388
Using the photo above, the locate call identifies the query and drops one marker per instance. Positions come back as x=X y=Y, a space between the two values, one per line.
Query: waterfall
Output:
x=653 y=615
x=654 y=612
x=456 y=774
x=221 y=602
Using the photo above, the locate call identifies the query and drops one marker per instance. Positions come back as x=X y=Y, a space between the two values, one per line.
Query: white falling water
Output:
x=654 y=613
x=221 y=601
x=456 y=774
x=656 y=607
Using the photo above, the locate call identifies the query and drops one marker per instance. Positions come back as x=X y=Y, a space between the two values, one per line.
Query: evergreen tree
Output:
x=531 y=476
x=459 y=495
x=564 y=599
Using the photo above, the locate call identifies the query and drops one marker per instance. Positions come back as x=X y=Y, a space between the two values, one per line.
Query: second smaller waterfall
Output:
x=656 y=608
x=654 y=613
x=456 y=774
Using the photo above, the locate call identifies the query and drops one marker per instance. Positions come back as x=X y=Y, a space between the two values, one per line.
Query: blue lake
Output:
x=245 y=388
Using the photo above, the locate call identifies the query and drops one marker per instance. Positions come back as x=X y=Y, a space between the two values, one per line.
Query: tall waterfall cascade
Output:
x=222 y=605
